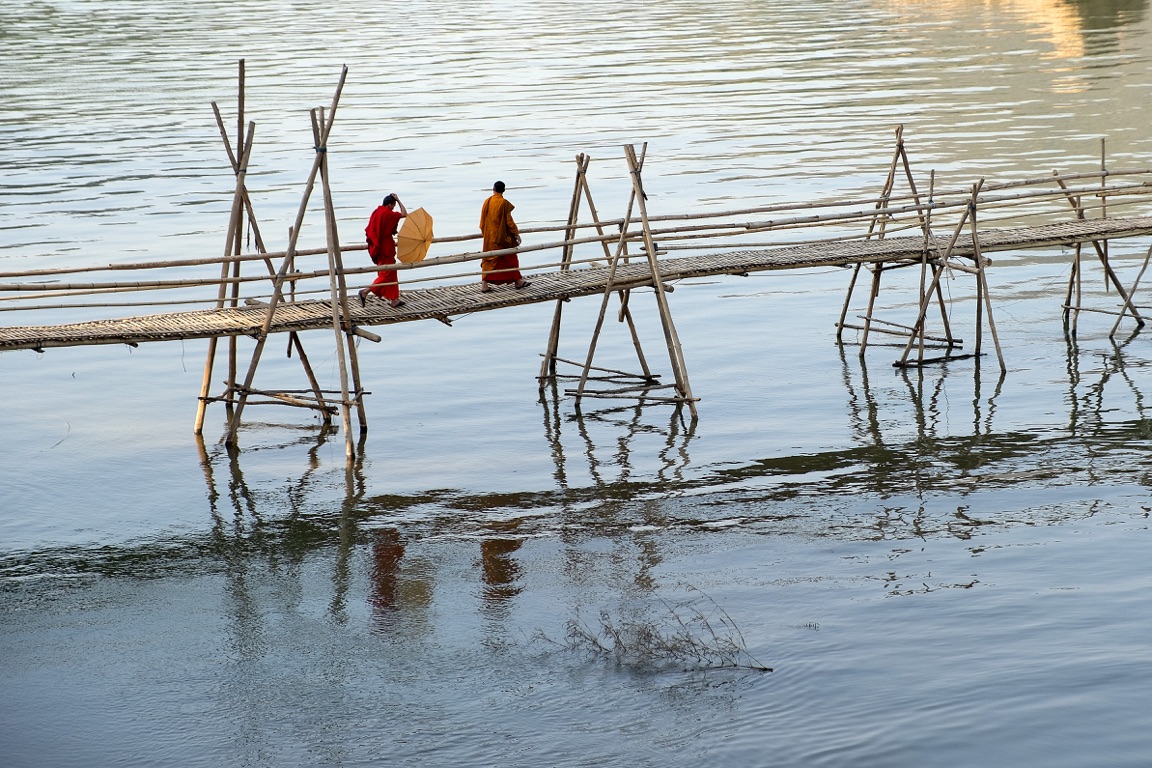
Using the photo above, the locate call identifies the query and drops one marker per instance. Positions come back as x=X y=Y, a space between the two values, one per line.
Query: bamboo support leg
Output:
x=341 y=318
x=848 y=300
x=294 y=341
x=1132 y=292
x=1073 y=295
x=234 y=228
x=877 y=272
x=671 y=337
x=940 y=301
x=548 y=364
x=627 y=317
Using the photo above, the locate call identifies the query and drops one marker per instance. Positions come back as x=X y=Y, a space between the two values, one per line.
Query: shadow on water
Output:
x=906 y=449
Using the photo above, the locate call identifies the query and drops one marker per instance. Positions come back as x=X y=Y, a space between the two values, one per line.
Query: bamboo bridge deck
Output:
x=444 y=302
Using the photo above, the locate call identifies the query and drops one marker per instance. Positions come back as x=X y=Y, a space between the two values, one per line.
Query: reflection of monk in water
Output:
x=500 y=572
x=387 y=550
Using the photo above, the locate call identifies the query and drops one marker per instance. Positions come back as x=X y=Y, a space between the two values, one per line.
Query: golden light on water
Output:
x=1054 y=21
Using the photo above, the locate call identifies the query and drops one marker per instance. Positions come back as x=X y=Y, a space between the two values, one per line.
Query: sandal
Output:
x=396 y=303
x=522 y=284
x=486 y=288
x=360 y=296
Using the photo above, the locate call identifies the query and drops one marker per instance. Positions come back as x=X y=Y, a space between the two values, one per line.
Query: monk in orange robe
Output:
x=499 y=231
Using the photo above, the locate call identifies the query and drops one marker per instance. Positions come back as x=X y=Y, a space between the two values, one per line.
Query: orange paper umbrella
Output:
x=414 y=237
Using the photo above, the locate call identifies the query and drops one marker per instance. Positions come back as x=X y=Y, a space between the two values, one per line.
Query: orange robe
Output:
x=499 y=231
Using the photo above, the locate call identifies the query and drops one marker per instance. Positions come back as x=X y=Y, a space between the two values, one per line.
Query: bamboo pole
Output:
x=548 y=364
x=317 y=392
x=925 y=301
x=234 y=425
x=982 y=285
x=675 y=350
x=232 y=236
x=1102 y=254
x=341 y=317
x=1132 y=293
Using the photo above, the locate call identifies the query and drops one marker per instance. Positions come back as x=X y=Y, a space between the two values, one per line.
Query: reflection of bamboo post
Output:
x=278 y=283
x=234 y=228
x=675 y=350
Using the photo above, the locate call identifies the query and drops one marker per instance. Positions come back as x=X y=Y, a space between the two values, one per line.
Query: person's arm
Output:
x=403 y=210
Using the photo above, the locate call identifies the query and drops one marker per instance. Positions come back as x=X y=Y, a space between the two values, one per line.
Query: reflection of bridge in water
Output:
x=611 y=512
x=939 y=231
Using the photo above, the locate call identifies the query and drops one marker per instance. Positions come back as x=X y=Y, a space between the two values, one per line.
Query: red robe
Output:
x=500 y=231
x=381 y=235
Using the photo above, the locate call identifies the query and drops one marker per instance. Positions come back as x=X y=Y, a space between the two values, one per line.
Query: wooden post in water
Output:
x=982 y=283
x=341 y=317
x=240 y=166
x=583 y=191
x=548 y=364
x=675 y=350
x=278 y=283
x=625 y=314
x=878 y=227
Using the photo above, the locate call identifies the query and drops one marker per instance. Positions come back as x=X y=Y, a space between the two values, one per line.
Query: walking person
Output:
x=499 y=231
x=381 y=236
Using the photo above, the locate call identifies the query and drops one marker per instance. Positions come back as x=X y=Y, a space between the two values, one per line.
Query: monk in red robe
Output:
x=381 y=235
x=499 y=231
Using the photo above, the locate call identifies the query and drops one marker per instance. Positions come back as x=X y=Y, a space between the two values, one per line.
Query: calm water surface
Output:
x=943 y=568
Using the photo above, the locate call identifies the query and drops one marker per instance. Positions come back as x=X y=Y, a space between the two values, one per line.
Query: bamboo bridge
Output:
x=942 y=232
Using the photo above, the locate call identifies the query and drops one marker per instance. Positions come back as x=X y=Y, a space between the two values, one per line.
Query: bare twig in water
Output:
x=691 y=634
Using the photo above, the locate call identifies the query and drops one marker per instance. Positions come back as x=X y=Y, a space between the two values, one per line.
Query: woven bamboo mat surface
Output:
x=445 y=302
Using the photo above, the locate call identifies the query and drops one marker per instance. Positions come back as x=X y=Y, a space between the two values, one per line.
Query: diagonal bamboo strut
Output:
x=278 y=285
x=982 y=286
x=1132 y=293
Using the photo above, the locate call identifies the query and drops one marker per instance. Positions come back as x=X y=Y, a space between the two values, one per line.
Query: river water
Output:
x=943 y=568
